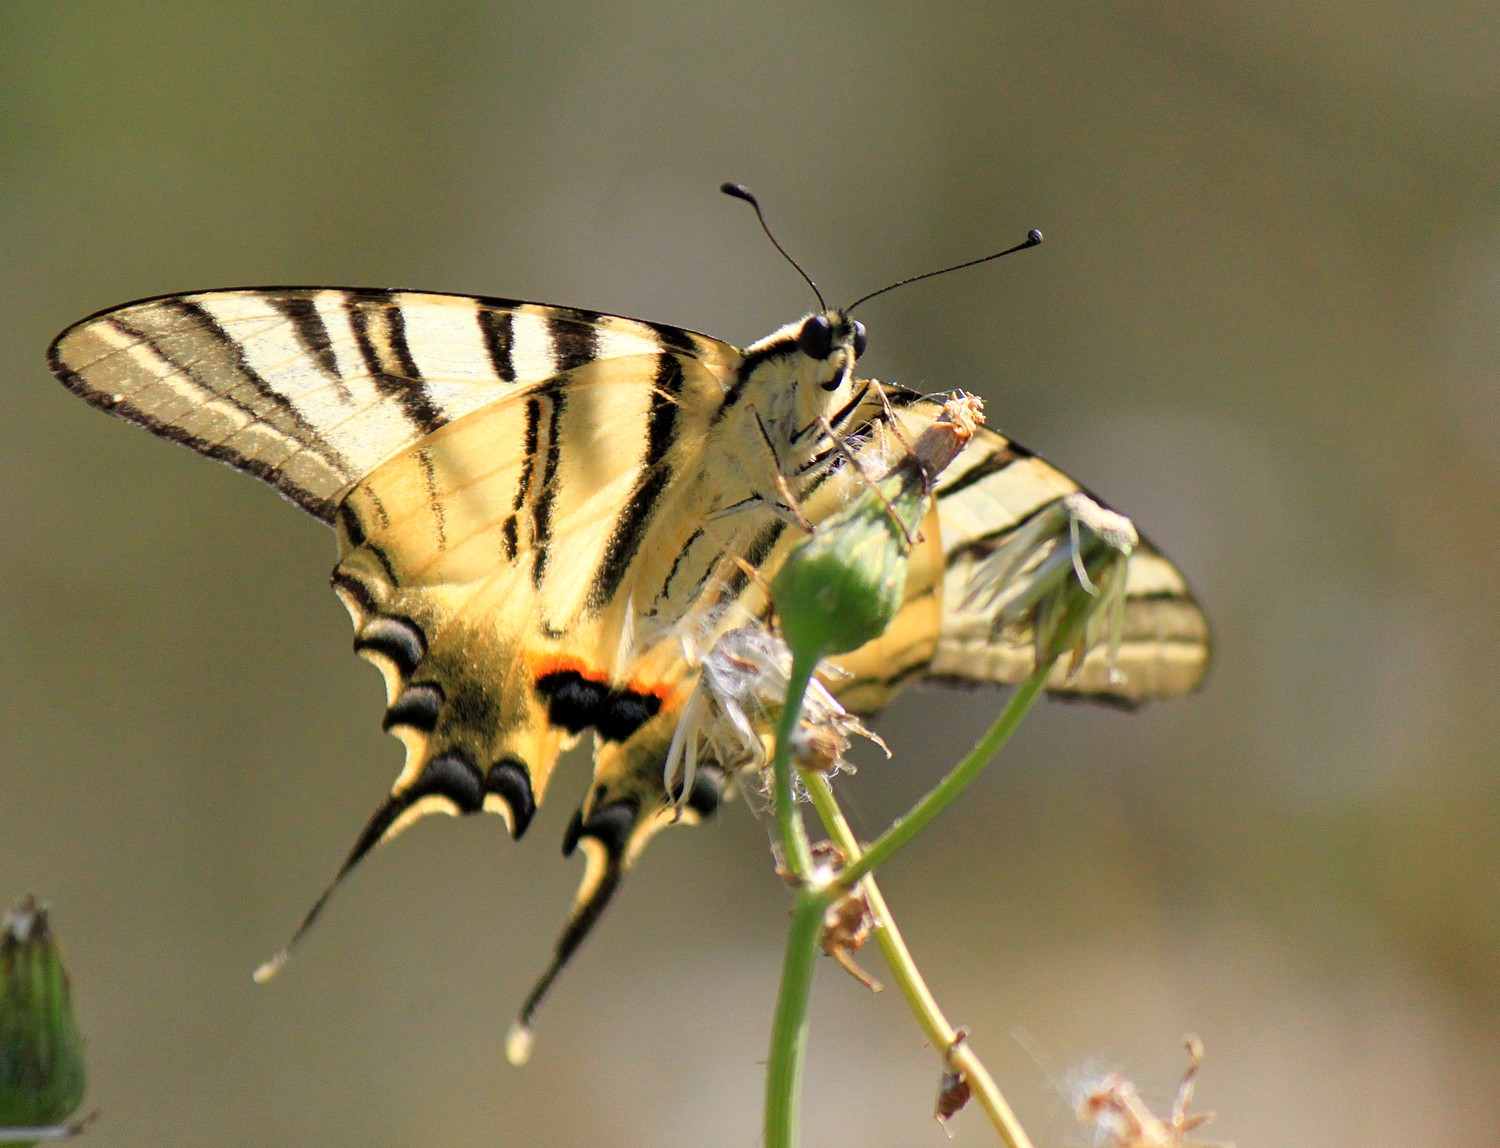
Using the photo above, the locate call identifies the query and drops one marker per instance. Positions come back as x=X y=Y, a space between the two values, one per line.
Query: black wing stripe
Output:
x=509 y=528
x=348 y=584
x=434 y=499
x=574 y=344
x=408 y=388
x=495 y=329
x=306 y=435
x=630 y=527
x=755 y=556
x=547 y=483
x=354 y=529
x=982 y=545
x=312 y=336
x=992 y=464
x=410 y=399
x=674 y=338
x=666 y=586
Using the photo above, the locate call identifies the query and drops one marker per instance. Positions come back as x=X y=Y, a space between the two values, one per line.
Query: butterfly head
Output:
x=832 y=341
x=807 y=361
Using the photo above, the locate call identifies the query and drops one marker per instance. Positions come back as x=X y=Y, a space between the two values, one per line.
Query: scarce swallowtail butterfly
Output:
x=531 y=502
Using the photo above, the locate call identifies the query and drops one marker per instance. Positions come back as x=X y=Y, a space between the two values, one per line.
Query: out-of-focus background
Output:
x=1266 y=323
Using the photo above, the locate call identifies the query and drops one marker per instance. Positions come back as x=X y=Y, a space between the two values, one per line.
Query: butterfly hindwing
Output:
x=941 y=635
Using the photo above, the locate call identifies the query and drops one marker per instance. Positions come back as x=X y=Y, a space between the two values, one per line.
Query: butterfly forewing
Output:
x=310 y=389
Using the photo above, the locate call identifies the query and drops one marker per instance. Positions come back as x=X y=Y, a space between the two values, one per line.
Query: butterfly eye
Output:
x=815 y=340
x=861 y=340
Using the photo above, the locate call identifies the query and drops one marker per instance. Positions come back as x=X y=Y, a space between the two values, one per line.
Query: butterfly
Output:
x=532 y=501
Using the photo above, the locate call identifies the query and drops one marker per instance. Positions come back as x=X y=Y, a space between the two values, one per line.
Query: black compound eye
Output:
x=861 y=340
x=815 y=340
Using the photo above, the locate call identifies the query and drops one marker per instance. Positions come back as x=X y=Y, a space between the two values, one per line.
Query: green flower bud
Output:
x=842 y=587
x=41 y=1052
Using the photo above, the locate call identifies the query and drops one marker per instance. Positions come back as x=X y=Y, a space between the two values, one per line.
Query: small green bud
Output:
x=41 y=1052
x=842 y=587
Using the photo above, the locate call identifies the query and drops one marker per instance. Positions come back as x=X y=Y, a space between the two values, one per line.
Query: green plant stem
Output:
x=789 y=1029
x=951 y=1045
x=904 y=828
x=798 y=856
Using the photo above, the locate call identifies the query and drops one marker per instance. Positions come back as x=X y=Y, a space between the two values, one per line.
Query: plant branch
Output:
x=798 y=856
x=789 y=1028
x=904 y=828
x=949 y=1042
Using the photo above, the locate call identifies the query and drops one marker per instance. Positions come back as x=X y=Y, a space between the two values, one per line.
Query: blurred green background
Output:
x=1264 y=324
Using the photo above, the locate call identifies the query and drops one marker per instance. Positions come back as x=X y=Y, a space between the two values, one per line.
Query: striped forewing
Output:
x=310 y=389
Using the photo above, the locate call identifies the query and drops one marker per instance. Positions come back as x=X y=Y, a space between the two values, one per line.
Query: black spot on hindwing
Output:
x=576 y=703
x=453 y=776
x=510 y=780
x=610 y=825
x=399 y=640
x=416 y=707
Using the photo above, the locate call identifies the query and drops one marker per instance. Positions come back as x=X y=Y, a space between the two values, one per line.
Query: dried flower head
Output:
x=954 y=1090
x=847 y=924
x=730 y=717
x=1119 y=1118
x=953 y=1094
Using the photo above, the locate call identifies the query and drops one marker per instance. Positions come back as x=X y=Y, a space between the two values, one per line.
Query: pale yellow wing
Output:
x=990 y=490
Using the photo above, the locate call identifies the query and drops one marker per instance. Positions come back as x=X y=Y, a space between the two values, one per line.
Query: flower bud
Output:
x=41 y=1052
x=842 y=587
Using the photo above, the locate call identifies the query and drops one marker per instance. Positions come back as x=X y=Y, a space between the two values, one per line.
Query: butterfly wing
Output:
x=941 y=635
x=310 y=389
x=494 y=469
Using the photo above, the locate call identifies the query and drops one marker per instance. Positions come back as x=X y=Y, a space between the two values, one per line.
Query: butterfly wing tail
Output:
x=604 y=838
x=627 y=809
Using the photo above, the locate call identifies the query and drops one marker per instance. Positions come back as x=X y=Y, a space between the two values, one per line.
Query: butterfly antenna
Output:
x=740 y=191
x=1033 y=237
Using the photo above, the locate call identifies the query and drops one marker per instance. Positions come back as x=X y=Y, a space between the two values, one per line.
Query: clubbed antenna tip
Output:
x=740 y=191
